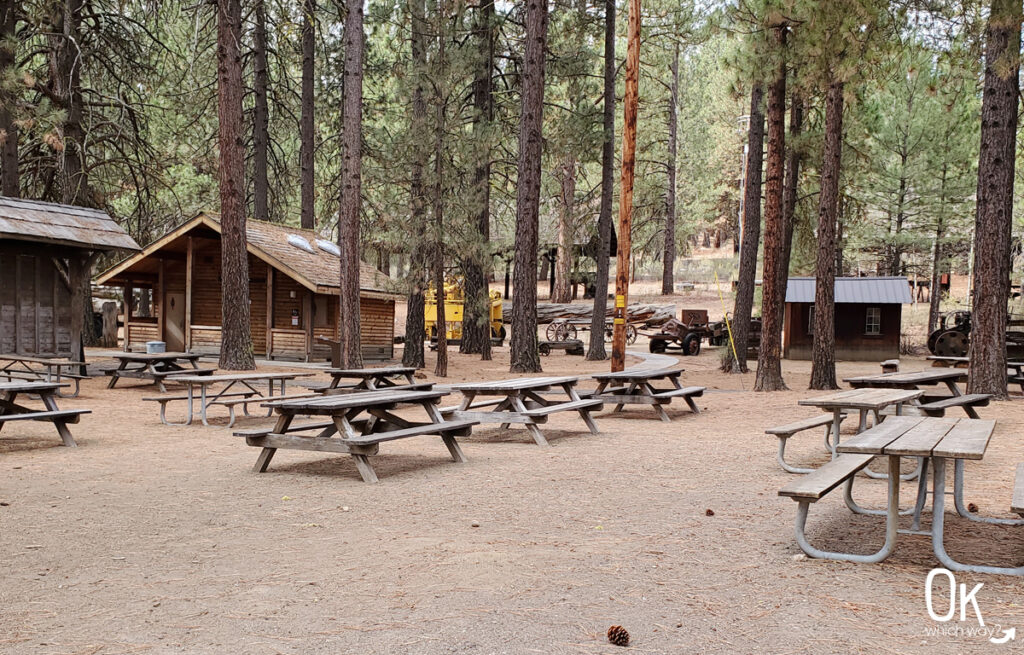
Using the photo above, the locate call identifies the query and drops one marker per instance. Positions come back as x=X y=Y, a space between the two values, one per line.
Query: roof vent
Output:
x=328 y=246
x=301 y=243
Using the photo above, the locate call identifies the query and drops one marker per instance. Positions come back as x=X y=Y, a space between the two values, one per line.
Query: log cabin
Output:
x=868 y=317
x=46 y=253
x=293 y=292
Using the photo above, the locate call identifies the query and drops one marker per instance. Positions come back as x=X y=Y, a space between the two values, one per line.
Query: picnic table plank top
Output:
x=920 y=440
x=642 y=374
x=919 y=436
x=340 y=402
x=952 y=359
x=154 y=357
x=31 y=387
x=872 y=441
x=967 y=440
x=237 y=377
x=386 y=371
x=864 y=398
x=46 y=361
x=515 y=384
x=927 y=376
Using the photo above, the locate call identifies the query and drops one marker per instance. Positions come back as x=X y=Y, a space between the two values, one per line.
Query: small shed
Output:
x=46 y=253
x=868 y=317
x=293 y=292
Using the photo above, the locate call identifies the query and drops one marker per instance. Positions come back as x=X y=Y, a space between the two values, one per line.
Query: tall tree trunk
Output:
x=935 y=287
x=440 y=101
x=769 y=364
x=840 y=222
x=596 y=351
x=261 y=118
x=236 y=337
x=412 y=353
x=523 y=345
x=476 y=326
x=563 y=262
x=994 y=218
x=747 y=277
x=66 y=86
x=669 y=254
x=307 y=129
x=351 y=188
x=792 y=183
x=823 y=366
x=9 y=182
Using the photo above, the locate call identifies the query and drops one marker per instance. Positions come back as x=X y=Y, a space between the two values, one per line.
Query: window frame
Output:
x=876 y=324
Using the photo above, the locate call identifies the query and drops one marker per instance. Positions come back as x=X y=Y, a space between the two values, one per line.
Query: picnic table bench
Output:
x=155 y=367
x=373 y=378
x=930 y=404
x=10 y=410
x=636 y=387
x=520 y=400
x=239 y=389
x=933 y=441
x=44 y=369
x=784 y=432
x=346 y=432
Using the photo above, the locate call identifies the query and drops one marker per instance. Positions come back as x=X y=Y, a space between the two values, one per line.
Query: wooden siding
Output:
x=852 y=344
x=35 y=302
x=138 y=333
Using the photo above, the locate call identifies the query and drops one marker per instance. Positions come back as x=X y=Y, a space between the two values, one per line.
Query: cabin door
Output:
x=174 y=330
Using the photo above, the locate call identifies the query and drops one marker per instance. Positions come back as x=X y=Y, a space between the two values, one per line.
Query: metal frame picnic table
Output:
x=25 y=367
x=519 y=400
x=933 y=441
x=345 y=432
x=916 y=380
x=1014 y=365
x=636 y=388
x=243 y=383
x=152 y=366
x=10 y=410
x=371 y=378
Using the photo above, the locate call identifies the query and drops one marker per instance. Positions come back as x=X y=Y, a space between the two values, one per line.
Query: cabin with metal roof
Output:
x=46 y=251
x=868 y=317
x=294 y=281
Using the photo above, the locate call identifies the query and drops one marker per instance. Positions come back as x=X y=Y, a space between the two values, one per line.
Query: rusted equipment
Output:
x=687 y=333
x=566 y=330
x=953 y=336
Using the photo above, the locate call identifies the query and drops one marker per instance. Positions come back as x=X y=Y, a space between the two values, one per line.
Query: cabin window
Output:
x=810 y=320
x=321 y=317
x=873 y=321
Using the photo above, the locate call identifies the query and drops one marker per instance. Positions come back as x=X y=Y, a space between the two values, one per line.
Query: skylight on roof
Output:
x=301 y=243
x=328 y=246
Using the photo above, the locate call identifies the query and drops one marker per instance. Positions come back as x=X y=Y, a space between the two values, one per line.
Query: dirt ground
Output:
x=156 y=539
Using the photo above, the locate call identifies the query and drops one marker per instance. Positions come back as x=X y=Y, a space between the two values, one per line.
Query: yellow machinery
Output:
x=454 y=301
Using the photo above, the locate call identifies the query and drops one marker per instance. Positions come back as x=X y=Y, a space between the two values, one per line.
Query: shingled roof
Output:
x=300 y=254
x=65 y=225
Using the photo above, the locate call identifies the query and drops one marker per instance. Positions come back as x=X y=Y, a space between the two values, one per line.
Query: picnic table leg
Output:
x=837 y=421
x=267 y=454
x=538 y=436
x=658 y=409
x=365 y=469
x=116 y=374
x=922 y=493
x=62 y=426
x=629 y=391
x=958 y=499
x=570 y=389
x=449 y=440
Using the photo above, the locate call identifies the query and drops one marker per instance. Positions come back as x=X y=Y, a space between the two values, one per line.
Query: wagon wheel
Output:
x=630 y=334
x=551 y=333
x=657 y=346
x=951 y=343
x=566 y=332
x=691 y=344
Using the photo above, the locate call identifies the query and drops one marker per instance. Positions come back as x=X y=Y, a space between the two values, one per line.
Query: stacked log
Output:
x=548 y=312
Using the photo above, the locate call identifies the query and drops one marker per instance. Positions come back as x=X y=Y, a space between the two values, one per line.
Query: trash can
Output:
x=155 y=347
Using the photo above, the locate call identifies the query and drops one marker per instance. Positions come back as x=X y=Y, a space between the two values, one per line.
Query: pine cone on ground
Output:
x=618 y=635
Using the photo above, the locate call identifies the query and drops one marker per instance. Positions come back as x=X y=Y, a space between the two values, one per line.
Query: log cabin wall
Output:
x=35 y=302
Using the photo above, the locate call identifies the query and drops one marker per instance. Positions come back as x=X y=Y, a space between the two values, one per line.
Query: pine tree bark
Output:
x=823 y=365
x=476 y=328
x=307 y=129
x=10 y=185
x=236 y=338
x=669 y=254
x=994 y=214
x=562 y=291
x=769 y=364
x=596 y=350
x=747 y=277
x=440 y=101
x=792 y=183
x=935 y=288
x=66 y=87
x=523 y=345
x=351 y=188
x=261 y=118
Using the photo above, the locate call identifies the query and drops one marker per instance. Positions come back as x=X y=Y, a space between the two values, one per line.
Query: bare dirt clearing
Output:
x=156 y=539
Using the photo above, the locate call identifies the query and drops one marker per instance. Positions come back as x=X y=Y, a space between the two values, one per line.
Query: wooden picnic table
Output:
x=520 y=401
x=863 y=401
x=1015 y=367
x=372 y=378
x=155 y=367
x=931 y=404
x=10 y=410
x=239 y=389
x=45 y=369
x=346 y=432
x=933 y=440
x=636 y=387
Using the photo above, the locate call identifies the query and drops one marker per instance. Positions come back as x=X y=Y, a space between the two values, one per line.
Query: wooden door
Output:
x=174 y=323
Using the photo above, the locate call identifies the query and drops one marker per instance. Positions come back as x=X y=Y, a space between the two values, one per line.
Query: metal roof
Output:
x=48 y=222
x=856 y=290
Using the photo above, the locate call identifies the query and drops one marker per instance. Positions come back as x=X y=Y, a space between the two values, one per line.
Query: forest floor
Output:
x=156 y=539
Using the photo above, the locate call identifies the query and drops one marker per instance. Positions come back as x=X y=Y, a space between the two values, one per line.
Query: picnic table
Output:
x=520 y=401
x=239 y=389
x=45 y=369
x=934 y=441
x=10 y=410
x=373 y=378
x=345 y=431
x=155 y=367
x=636 y=387
x=1015 y=367
x=931 y=404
